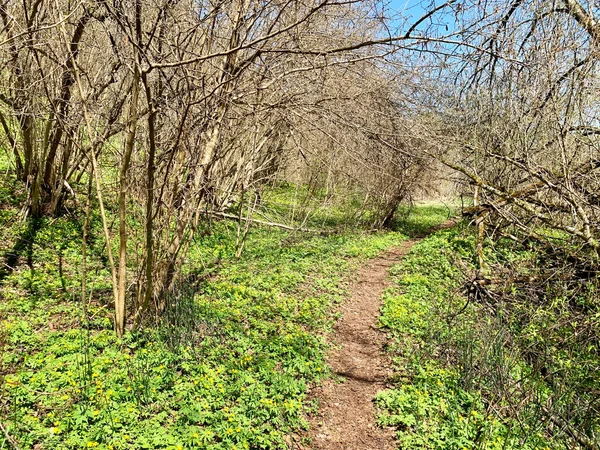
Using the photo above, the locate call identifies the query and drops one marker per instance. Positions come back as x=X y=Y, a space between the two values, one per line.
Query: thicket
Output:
x=506 y=366
x=159 y=116
x=524 y=132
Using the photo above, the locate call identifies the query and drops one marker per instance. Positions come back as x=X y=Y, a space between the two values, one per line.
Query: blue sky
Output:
x=411 y=10
x=414 y=7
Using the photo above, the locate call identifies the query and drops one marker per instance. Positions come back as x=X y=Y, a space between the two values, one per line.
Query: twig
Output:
x=581 y=439
x=271 y=224
x=9 y=438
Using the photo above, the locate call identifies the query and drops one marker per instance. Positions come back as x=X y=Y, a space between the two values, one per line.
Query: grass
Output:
x=316 y=209
x=418 y=219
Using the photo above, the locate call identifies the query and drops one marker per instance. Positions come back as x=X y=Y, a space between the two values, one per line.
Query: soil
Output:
x=346 y=419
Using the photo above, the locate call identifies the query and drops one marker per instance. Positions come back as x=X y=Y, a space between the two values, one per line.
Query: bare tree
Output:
x=179 y=109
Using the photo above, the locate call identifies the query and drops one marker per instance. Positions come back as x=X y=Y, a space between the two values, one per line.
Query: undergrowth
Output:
x=498 y=370
x=416 y=220
x=227 y=366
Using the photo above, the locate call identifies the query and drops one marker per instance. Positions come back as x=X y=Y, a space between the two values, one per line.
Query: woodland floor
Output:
x=273 y=305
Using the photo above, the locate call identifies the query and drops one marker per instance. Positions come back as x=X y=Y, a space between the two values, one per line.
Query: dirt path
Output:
x=346 y=418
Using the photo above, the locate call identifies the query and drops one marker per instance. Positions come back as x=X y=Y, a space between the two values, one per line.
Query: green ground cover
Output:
x=227 y=366
x=475 y=373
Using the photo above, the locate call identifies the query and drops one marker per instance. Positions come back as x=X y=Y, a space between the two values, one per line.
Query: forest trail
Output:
x=346 y=419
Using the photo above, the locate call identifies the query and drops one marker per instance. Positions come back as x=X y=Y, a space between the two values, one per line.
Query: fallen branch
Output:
x=270 y=224
x=580 y=438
